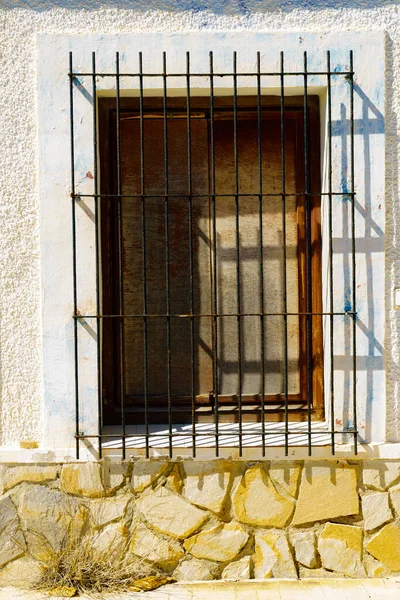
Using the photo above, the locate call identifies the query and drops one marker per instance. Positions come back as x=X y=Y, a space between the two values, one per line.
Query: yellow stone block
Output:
x=221 y=543
x=145 y=473
x=207 y=483
x=349 y=535
x=257 y=502
x=152 y=582
x=380 y=474
x=327 y=490
x=395 y=499
x=273 y=557
x=385 y=546
x=12 y=475
x=174 y=480
x=148 y=546
x=82 y=479
x=168 y=513
x=374 y=568
x=340 y=548
x=286 y=474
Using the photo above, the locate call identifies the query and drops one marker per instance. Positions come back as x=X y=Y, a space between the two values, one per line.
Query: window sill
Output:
x=43 y=454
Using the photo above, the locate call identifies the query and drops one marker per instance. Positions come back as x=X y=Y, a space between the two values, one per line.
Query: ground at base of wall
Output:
x=316 y=589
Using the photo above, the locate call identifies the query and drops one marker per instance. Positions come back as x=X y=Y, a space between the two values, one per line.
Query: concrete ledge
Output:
x=273 y=589
x=43 y=454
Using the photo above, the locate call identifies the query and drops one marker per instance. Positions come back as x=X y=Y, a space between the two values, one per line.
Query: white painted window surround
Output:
x=55 y=209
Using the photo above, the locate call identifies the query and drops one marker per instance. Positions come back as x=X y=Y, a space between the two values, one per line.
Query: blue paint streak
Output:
x=347 y=302
x=344 y=188
x=243 y=8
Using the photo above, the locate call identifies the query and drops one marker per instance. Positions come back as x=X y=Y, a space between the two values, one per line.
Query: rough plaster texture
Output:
x=20 y=315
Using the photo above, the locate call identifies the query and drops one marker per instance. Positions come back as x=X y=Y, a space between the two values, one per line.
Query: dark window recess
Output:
x=208 y=275
x=209 y=256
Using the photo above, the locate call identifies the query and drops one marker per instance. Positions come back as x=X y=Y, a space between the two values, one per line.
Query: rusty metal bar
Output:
x=261 y=195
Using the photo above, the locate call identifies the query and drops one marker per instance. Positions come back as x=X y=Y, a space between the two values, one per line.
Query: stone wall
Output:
x=201 y=520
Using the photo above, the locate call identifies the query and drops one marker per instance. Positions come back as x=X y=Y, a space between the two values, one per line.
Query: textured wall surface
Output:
x=20 y=314
x=205 y=520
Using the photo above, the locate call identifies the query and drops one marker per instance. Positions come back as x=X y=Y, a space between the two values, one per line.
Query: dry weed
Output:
x=77 y=567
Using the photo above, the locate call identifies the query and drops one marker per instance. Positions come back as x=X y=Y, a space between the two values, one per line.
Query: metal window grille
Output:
x=239 y=434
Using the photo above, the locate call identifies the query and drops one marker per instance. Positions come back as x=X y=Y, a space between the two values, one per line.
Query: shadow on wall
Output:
x=367 y=243
x=229 y=7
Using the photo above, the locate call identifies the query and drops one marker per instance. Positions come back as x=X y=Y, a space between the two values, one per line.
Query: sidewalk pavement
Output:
x=272 y=589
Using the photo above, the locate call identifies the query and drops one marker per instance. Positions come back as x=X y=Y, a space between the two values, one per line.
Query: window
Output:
x=351 y=200
x=212 y=252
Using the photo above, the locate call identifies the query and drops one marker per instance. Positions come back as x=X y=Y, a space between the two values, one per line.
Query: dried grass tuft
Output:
x=76 y=567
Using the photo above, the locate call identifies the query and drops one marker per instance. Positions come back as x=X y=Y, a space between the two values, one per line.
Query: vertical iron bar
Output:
x=144 y=265
x=308 y=259
x=167 y=278
x=214 y=258
x=284 y=282
x=96 y=217
x=190 y=211
x=238 y=290
x=261 y=253
x=353 y=249
x=120 y=261
x=330 y=226
x=74 y=277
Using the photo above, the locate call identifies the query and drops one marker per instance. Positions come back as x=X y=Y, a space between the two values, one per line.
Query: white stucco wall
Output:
x=21 y=380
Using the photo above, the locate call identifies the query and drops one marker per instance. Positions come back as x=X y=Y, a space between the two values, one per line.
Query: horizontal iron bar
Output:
x=189 y=316
x=233 y=195
x=213 y=434
x=266 y=74
x=157 y=400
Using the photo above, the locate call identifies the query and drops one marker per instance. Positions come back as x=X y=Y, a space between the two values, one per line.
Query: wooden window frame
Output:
x=111 y=359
